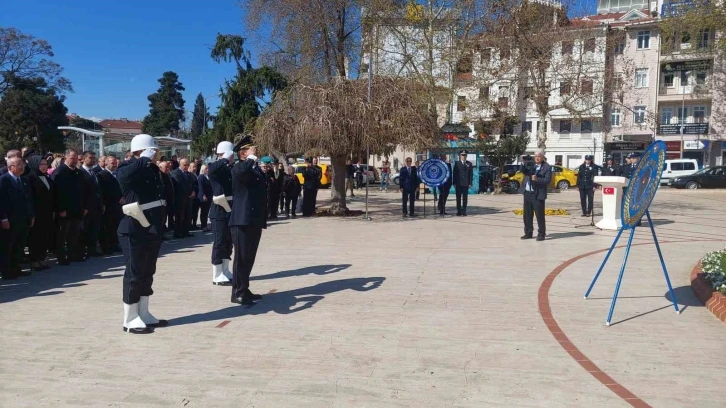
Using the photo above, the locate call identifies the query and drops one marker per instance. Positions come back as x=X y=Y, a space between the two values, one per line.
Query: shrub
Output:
x=714 y=269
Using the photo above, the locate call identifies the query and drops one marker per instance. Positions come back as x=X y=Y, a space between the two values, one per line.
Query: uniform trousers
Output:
x=67 y=238
x=586 y=197
x=222 y=246
x=91 y=228
x=443 y=196
x=246 y=241
x=462 y=197
x=140 y=249
x=12 y=243
x=309 y=199
x=532 y=207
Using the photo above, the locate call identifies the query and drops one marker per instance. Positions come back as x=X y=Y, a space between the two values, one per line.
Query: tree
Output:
x=30 y=113
x=199 y=117
x=167 y=107
x=498 y=143
x=26 y=57
x=84 y=123
x=335 y=119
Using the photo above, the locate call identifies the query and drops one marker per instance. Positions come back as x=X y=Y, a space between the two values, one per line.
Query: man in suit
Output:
x=220 y=178
x=194 y=203
x=94 y=204
x=586 y=184
x=183 y=194
x=165 y=168
x=71 y=208
x=248 y=219
x=463 y=177
x=444 y=189
x=408 y=180
x=9 y=155
x=16 y=218
x=113 y=201
x=141 y=184
x=311 y=182
x=534 y=189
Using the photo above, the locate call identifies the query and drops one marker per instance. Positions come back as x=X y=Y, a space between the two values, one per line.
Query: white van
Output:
x=678 y=167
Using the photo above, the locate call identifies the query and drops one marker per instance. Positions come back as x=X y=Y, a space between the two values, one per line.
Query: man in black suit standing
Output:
x=71 y=208
x=183 y=194
x=248 y=219
x=408 y=180
x=16 y=218
x=94 y=204
x=444 y=189
x=113 y=200
x=537 y=176
x=463 y=177
x=165 y=168
x=311 y=182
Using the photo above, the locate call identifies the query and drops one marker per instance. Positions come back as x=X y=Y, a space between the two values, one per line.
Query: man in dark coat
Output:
x=534 y=190
x=463 y=177
x=140 y=232
x=408 y=182
x=183 y=194
x=247 y=220
x=165 y=168
x=16 y=218
x=70 y=208
x=113 y=200
x=291 y=188
x=220 y=179
x=40 y=238
x=444 y=189
x=94 y=204
x=277 y=176
x=194 y=203
x=311 y=182
x=586 y=184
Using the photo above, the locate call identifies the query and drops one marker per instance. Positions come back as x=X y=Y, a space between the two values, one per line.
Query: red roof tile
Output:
x=121 y=124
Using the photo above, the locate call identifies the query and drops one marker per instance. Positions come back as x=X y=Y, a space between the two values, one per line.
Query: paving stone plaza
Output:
x=426 y=312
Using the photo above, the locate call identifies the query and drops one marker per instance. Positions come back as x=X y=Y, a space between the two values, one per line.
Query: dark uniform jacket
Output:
x=140 y=181
x=408 y=179
x=463 y=174
x=249 y=185
x=16 y=202
x=110 y=191
x=311 y=177
x=70 y=188
x=291 y=186
x=627 y=170
x=586 y=176
x=610 y=170
x=544 y=177
x=220 y=178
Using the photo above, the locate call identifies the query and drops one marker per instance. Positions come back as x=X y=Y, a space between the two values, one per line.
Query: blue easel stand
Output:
x=625 y=261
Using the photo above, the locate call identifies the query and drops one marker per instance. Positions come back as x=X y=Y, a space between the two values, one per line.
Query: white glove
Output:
x=148 y=153
x=228 y=154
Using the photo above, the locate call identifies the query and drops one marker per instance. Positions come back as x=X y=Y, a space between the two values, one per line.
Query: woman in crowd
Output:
x=385 y=174
x=55 y=164
x=43 y=190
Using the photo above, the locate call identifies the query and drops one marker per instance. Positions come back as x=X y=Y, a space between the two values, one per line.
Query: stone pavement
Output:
x=387 y=313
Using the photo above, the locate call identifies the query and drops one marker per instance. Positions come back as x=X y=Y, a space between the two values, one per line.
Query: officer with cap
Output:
x=610 y=168
x=220 y=177
x=248 y=218
x=140 y=232
x=463 y=176
x=586 y=185
x=631 y=161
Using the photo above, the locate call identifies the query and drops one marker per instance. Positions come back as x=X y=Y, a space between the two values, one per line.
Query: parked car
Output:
x=324 y=181
x=710 y=177
x=562 y=178
x=678 y=167
x=511 y=169
x=486 y=172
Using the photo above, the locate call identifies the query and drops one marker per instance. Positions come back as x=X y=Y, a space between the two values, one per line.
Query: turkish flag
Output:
x=608 y=190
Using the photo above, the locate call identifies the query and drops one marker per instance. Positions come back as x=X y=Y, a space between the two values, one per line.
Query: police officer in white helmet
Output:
x=220 y=177
x=140 y=232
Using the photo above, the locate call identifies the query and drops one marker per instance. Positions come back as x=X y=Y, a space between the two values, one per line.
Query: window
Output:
x=505 y=53
x=684 y=77
x=676 y=166
x=701 y=78
x=461 y=103
x=619 y=47
x=699 y=114
x=484 y=93
x=586 y=86
x=668 y=80
x=615 y=117
x=665 y=116
x=503 y=102
x=567 y=47
x=682 y=115
x=689 y=166
x=643 y=40
x=565 y=126
x=586 y=126
x=565 y=88
x=527 y=126
x=528 y=92
x=685 y=40
x=703 y=37
x=641 y=78
x=589 y=45
x=639 y=114
x=486 y=55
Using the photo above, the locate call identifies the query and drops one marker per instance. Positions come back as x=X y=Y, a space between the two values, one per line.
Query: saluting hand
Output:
x=122 y=201
x=252 y=150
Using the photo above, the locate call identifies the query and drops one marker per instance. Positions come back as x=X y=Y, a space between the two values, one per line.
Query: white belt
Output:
x=152 y=204
x=229 y=198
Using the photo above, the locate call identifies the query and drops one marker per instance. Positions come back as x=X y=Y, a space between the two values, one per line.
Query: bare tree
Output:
x=336 y=119
x=26 y=57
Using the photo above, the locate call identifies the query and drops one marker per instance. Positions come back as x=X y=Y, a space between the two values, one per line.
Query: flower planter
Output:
x=714 y=301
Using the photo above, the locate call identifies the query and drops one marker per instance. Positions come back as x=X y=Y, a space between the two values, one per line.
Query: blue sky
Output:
x=114 y=51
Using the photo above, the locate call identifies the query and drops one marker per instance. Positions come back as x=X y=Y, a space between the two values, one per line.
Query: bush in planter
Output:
x=714 y=269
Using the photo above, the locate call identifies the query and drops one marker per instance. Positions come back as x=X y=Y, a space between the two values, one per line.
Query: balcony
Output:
x=684 y=128
x=688 y=92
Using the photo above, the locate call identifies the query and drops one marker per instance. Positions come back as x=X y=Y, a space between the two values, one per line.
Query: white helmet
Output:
x=224 y=147
x=143 y=142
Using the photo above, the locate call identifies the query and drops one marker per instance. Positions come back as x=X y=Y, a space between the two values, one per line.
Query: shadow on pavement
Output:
x=310 y=270
x=559 y=235
x=285 y=302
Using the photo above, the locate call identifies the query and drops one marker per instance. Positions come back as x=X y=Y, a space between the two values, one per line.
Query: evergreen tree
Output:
x=199 y=117
x=167 y=107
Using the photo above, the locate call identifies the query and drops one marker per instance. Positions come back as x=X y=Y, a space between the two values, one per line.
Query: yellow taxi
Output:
x=562 y=178
x=324 y=181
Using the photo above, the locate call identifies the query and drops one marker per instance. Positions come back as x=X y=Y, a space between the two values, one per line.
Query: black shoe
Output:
x=540 y=238
x=243 y=300
x=145 y=330
x=526 y=236
x=294 y=216
x=226 y=283
x=463 y=214
x=458 y=214
x=405 y=215
x=445 y=213
x=249 y=294
x=583 y=215
x=413 y=215
x=161 y=323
